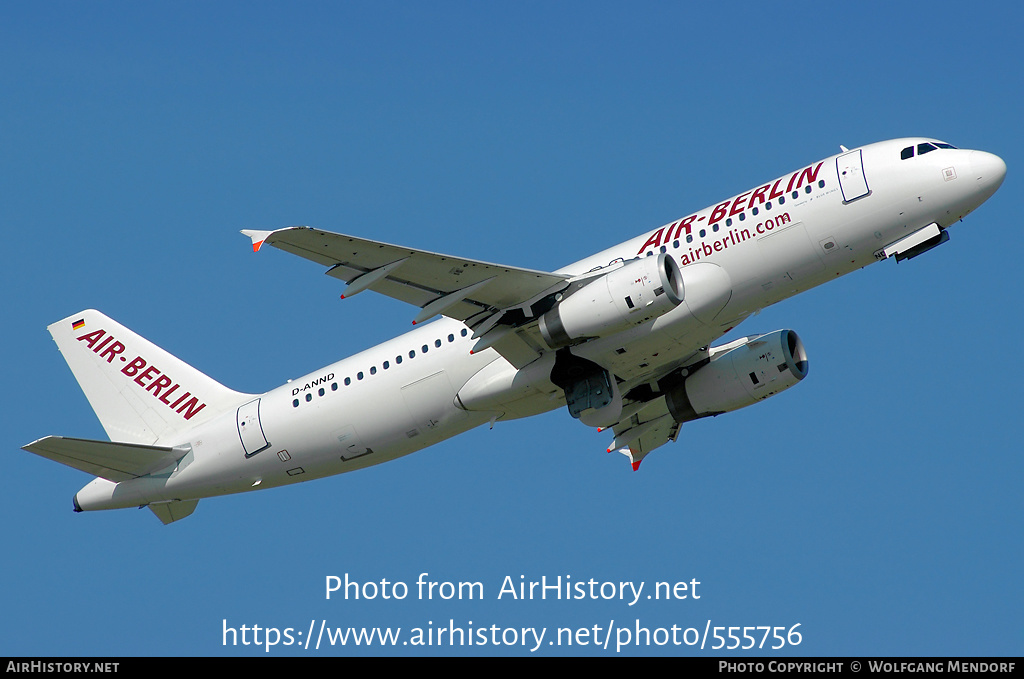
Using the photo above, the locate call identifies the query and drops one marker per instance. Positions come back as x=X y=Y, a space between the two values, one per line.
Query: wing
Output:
x=644 y=427
x=485 y=296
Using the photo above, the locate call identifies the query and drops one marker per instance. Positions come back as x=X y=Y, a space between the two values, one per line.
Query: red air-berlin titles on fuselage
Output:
x=733 y=206
x=149 y=377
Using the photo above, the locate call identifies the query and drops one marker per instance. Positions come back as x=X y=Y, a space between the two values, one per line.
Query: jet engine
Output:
x=737 y=375
x=632 y=294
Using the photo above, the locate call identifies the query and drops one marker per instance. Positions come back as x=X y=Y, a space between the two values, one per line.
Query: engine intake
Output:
x=632 y=294
x=740 y=374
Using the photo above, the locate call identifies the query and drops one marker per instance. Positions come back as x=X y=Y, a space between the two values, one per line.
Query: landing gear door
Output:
x=250 y=431
x=852 y=181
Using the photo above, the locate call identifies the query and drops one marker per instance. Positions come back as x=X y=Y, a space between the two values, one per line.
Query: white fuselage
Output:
x=771 y=242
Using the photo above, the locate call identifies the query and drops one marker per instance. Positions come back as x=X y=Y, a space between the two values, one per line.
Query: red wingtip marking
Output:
x=343 y=296
x=636 y=465
x=256 y=246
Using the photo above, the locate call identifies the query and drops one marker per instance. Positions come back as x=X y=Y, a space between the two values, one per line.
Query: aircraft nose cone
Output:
x=989 y=170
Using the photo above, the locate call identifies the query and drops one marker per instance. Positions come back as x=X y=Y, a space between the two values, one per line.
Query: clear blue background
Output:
x=878 y=504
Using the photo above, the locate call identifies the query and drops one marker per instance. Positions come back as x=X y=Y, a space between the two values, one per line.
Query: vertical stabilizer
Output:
x=141 y=393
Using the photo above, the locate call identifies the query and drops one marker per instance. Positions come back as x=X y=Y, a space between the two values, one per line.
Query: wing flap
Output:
x=112 y=461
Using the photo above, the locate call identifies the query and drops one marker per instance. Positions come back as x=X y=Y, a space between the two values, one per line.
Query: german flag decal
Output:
x=78 y=324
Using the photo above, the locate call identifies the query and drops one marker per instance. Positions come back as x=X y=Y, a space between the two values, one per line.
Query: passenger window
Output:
x=437 y=343
x=907 y=153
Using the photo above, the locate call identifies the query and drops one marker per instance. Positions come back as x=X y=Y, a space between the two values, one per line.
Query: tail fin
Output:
x=141 y=393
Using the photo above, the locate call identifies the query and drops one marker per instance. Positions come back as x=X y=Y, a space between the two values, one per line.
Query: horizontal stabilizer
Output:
x=112 y=461
x=169 y=512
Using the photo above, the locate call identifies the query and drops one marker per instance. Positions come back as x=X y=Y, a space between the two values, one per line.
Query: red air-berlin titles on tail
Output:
x=733 y=206
x=149 y=377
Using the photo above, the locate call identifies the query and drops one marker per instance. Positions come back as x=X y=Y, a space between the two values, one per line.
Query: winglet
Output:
x=257 y=237
x=633 y=460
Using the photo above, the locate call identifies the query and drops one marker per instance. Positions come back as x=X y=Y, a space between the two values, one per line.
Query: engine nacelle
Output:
x=632 y=294
x=740 y=374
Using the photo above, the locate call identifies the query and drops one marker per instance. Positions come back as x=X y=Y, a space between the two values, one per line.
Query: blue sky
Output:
x=877 y=504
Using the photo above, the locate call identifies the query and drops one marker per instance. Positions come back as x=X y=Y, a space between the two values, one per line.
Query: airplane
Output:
x=621 y=339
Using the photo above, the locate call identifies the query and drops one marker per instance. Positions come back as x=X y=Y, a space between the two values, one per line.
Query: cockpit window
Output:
x=924 y=148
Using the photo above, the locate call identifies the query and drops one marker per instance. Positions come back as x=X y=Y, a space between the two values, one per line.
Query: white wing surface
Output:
x=490 y=298
x=456 y=287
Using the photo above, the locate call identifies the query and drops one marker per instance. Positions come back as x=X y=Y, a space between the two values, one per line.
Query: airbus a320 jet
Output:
x=622 y=339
